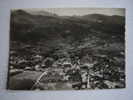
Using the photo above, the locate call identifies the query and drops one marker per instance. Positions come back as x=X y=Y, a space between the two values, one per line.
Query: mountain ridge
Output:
x=27 y=23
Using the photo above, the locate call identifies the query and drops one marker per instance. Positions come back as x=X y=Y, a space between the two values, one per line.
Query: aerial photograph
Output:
x=67 y=49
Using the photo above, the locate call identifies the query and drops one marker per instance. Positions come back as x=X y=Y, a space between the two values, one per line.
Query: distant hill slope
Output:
x=115 y=19
x=27 y=26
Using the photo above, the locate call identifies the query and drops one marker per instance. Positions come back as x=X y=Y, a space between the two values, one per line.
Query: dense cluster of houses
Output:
x=90 y=72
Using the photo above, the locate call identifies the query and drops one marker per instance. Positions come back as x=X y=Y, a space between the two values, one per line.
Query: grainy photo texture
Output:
x=67 y=49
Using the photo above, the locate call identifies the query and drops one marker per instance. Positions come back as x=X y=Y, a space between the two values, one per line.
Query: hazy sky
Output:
x=81 y=11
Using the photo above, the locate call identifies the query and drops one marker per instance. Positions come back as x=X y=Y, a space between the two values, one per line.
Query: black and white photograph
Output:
x=67 y=49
